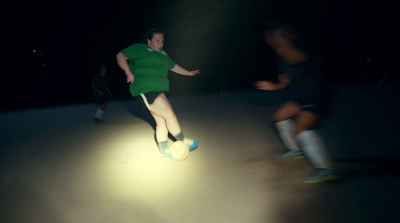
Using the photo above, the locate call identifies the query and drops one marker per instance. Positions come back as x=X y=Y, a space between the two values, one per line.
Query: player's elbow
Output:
x=121 y=56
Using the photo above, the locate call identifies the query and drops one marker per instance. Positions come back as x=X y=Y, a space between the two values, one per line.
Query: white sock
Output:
x=99 y=114
x=314 y=148
x=286 y=132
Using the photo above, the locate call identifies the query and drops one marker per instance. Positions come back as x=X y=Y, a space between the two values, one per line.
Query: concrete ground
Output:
x=58 y=166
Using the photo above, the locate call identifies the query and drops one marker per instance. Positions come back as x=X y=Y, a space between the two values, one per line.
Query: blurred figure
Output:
x=146 y=66
x=310 y=96
x=101 y=93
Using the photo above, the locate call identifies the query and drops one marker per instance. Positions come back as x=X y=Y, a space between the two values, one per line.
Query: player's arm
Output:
x=182 y=71
x=123 y=64
x=108 y=90
x=93 y=85
x=283 y=82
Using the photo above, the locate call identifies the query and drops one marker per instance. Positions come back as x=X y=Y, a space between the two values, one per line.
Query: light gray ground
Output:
x=58 y=166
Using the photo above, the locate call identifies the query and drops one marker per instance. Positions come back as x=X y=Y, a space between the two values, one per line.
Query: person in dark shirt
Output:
x=101 y=93
x=310 y=97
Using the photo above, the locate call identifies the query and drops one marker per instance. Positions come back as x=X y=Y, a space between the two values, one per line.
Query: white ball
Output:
x=179 y=150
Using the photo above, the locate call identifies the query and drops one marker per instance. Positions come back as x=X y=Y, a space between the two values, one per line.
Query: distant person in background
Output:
x=310 y=97
x=146 y=67
x=101 y=93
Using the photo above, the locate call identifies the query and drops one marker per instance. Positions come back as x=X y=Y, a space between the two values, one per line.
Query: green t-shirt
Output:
x=150 y=68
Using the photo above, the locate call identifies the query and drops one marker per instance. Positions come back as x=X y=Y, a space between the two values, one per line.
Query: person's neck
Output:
x=292 y=55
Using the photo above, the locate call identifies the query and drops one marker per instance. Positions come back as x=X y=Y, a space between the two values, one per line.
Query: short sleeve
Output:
x=171 y=63
x=132 y=51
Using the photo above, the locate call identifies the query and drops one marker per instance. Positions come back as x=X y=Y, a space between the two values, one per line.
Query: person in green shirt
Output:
x=146 y=67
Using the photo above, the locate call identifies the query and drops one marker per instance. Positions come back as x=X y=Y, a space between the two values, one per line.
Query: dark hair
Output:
x=150 y=33
x=277 y=24
x=290 y=28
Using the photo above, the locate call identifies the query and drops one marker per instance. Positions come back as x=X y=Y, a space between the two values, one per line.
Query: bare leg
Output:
x=161 y=128
x=164 y=116
x=287 y=111
x=102 y=107
x=286 y=128
x=311 y=143
x=167 y=121
x=305 y=120
x=99 y=113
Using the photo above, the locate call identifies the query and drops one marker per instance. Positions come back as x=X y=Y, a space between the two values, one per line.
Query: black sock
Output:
x=162 y=146
x=180 y=137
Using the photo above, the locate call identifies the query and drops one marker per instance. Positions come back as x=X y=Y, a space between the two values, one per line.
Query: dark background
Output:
x=53 y=48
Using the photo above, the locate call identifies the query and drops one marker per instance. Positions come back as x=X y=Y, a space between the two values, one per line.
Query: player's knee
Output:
x=302 y=128
x=298 y=131
x=161 y=127
x=170 y=114
x=165 y=113
x=279 y=117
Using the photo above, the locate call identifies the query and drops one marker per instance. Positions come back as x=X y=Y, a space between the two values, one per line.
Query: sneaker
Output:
x=98 y=120
x=191 y=143
x=294 y=154
x=320 y=175
x=165 y=154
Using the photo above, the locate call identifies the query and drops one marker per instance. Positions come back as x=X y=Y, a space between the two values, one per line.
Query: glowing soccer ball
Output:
x=179 y=150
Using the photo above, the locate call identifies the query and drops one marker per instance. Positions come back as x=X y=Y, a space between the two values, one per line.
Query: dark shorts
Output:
x=319 y=103
x=146 y=99
x=100 y=100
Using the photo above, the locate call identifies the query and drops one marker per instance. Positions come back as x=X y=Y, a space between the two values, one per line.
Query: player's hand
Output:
x=193 y=72
x=265 y=85
x=130 y=78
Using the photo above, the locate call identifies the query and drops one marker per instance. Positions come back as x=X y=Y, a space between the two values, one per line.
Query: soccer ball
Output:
x=179 y=150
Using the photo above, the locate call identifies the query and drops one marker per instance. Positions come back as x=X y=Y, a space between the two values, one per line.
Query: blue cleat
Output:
x=193 y=144
x=165 y=155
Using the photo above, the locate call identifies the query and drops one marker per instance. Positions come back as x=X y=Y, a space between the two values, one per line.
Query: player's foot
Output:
x=294 y=154
x=165 y=153
x=98 y=120
x=320 y=175
x=191 y=143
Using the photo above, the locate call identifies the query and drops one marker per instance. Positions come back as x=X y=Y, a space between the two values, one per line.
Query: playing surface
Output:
x=58 y=166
